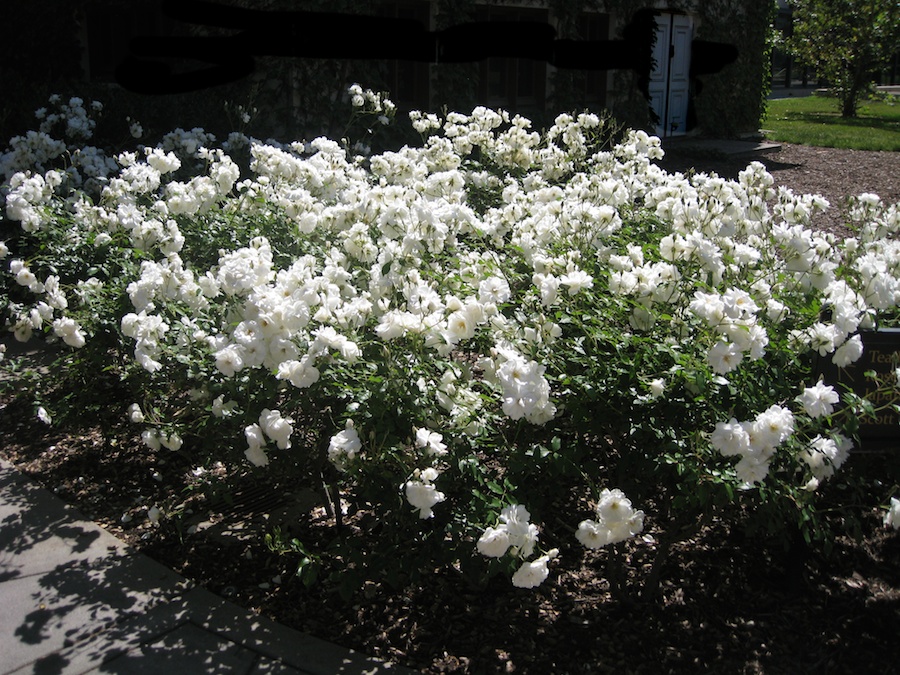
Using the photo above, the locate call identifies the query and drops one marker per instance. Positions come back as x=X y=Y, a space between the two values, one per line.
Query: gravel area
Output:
x=836 y=173
x=833 y=173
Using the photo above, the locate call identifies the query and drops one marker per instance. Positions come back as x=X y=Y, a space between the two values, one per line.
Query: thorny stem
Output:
x=333 y=503
x=651 y=583
x=615 y=573
x=678 y=532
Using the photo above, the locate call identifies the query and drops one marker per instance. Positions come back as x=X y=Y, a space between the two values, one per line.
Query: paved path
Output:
x=724 y=148
x=74 y=599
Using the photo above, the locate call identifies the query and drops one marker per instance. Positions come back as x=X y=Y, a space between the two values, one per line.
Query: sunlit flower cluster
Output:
x=892 y=514
x=515 y=535
x=824 y=456
x=344 y=447
x=375 y=101
x=34 y=151
x=754 y=441
x=421 y=492
x=514 y=531
x=72 y=114
x=617 y=520
x=63 y=124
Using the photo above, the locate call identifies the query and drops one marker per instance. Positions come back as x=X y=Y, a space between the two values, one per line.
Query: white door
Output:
x=659 y=76
x=669 y=81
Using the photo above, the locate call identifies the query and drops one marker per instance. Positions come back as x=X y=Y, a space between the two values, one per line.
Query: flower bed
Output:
x=495 y=343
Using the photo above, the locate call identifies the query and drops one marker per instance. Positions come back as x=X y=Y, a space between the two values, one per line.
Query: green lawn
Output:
x=815 y=120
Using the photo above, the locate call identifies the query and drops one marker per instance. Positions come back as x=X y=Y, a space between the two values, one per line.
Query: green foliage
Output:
x=309 y=564
x=845 y=41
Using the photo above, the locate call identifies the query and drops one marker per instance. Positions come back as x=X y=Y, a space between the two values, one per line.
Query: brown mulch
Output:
x=729 y=602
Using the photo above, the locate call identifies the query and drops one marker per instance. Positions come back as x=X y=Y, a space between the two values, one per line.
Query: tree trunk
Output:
x=849 y=101
x=850 y=97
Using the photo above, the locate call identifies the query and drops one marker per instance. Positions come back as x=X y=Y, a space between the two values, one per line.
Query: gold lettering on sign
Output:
x=878 y=356
x=878 y=420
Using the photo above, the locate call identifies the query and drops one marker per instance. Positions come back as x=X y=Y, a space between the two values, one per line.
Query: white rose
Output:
x=494 y=543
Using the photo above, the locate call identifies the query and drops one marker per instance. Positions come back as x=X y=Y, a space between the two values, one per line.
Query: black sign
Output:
x=881 y=354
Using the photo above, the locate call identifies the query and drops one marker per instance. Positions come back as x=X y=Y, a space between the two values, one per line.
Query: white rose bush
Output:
x=509 y=349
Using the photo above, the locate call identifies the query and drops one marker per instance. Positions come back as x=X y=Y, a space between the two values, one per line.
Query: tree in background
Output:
x=845 y=41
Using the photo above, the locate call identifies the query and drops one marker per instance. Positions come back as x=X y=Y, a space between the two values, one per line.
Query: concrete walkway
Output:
x=74 y=599
x=723 y=148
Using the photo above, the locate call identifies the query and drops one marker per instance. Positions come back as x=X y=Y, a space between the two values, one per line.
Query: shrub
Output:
x=480 y=350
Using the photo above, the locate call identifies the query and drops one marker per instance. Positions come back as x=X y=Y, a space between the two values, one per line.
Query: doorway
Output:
x=670 y=80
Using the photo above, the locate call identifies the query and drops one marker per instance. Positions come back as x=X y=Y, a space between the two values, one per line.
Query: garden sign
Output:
x=881 y=354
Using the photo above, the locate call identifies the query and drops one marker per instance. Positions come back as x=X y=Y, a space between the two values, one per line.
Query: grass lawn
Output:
x=815 y=120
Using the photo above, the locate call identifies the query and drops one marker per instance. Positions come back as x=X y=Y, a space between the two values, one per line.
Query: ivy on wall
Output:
x=734 y=100
x=568 y=85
